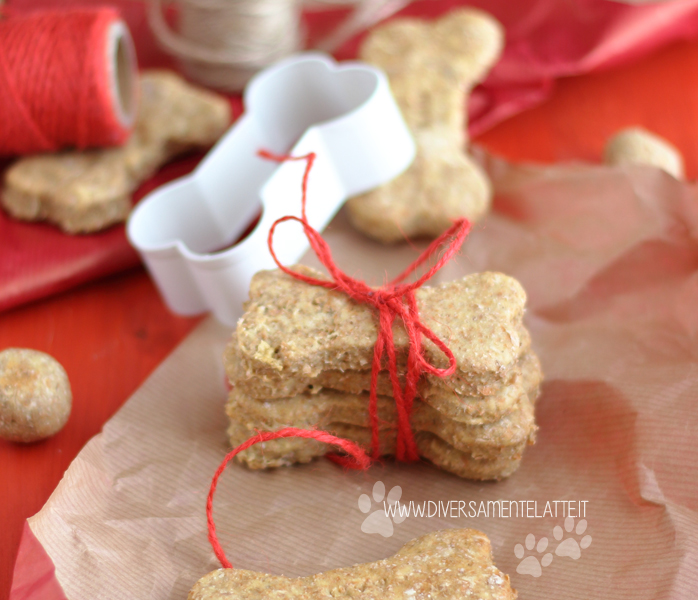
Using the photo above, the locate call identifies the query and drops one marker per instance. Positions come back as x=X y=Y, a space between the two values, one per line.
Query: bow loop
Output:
x=395 y=300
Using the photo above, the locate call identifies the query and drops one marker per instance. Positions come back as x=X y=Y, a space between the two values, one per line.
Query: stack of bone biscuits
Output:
x=301 y=357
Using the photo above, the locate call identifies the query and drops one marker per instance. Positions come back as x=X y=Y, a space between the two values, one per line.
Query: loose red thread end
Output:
x=354 y=456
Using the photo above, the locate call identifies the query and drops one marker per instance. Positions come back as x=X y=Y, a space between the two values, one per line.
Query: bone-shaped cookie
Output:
x=451 y=564
x=298 y=331
x=465 y=464
x=431 y=67
x=329 y=406
x=347 y=415
x=637 y=145
x=493 y=401
x=343 y=113
x=87 y=191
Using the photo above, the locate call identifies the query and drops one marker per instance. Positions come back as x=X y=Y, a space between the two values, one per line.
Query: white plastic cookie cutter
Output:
x=344 y=113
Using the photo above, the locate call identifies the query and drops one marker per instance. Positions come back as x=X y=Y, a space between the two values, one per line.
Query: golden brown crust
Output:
x=451 y=564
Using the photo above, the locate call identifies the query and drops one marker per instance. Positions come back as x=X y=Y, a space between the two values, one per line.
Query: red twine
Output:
x=60 y=85
x=393 y=300
x=361 y=461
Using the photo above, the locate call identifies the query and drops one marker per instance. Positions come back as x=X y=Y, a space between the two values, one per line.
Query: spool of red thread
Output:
x=67 y=79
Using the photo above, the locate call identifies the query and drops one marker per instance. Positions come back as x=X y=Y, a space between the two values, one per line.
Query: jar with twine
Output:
x=223 y=43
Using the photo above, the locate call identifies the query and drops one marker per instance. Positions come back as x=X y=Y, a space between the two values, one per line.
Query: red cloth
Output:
x=546 y=39
x=38 y=260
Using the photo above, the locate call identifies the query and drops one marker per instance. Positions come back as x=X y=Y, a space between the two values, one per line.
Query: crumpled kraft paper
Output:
x=609 y=257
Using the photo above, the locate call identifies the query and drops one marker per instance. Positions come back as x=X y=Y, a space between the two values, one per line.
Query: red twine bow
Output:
x=394 y=300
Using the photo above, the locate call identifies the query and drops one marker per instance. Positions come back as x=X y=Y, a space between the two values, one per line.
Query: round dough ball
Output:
x=637 y=145
x=35 y=396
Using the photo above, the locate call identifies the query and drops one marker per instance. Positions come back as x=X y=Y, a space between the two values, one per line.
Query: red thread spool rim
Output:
x=122 y=69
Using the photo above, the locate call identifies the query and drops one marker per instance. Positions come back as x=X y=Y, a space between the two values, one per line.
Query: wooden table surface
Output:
x=109 y=335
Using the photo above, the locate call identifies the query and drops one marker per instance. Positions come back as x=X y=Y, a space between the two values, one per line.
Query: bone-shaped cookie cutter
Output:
x=344 y=113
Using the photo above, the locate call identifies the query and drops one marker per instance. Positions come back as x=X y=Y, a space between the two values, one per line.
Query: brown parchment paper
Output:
x=609 y=257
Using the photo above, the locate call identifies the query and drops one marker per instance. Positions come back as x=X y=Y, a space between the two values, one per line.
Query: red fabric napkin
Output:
x=546 y=39
x=38 y=259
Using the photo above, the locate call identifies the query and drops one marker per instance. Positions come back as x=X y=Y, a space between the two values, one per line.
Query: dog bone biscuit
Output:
x=637 y=145
x=347 y=415
x=329 y=406
x=450 y=564
x=431 y=68
x=298 y=330
x=489 y=408
x=289 y=451
x=466 y=464
x=82 y=192
x=496 y=399
x=275 y=384
x=35 y=395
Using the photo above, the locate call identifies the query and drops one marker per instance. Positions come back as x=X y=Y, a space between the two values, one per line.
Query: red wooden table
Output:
x=111 y=334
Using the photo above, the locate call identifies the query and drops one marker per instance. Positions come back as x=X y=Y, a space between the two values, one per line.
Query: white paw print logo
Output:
x=379 y=521
x=531 y=565
x=569 y=547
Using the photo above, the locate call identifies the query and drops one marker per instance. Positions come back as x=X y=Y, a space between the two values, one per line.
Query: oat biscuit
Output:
x=301 y=357
x=330 y=407
x=480 y=410
x=465 y=464
x=494 y=400
x=35 y=395
x=82 y=192
x=637 y=145
x=299 y=330
x=502 y=442
x=432 y=66
x=449 y=564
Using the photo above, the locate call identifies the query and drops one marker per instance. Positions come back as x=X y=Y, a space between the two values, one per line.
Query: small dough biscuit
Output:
x=637 y=145
x=35 y=396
